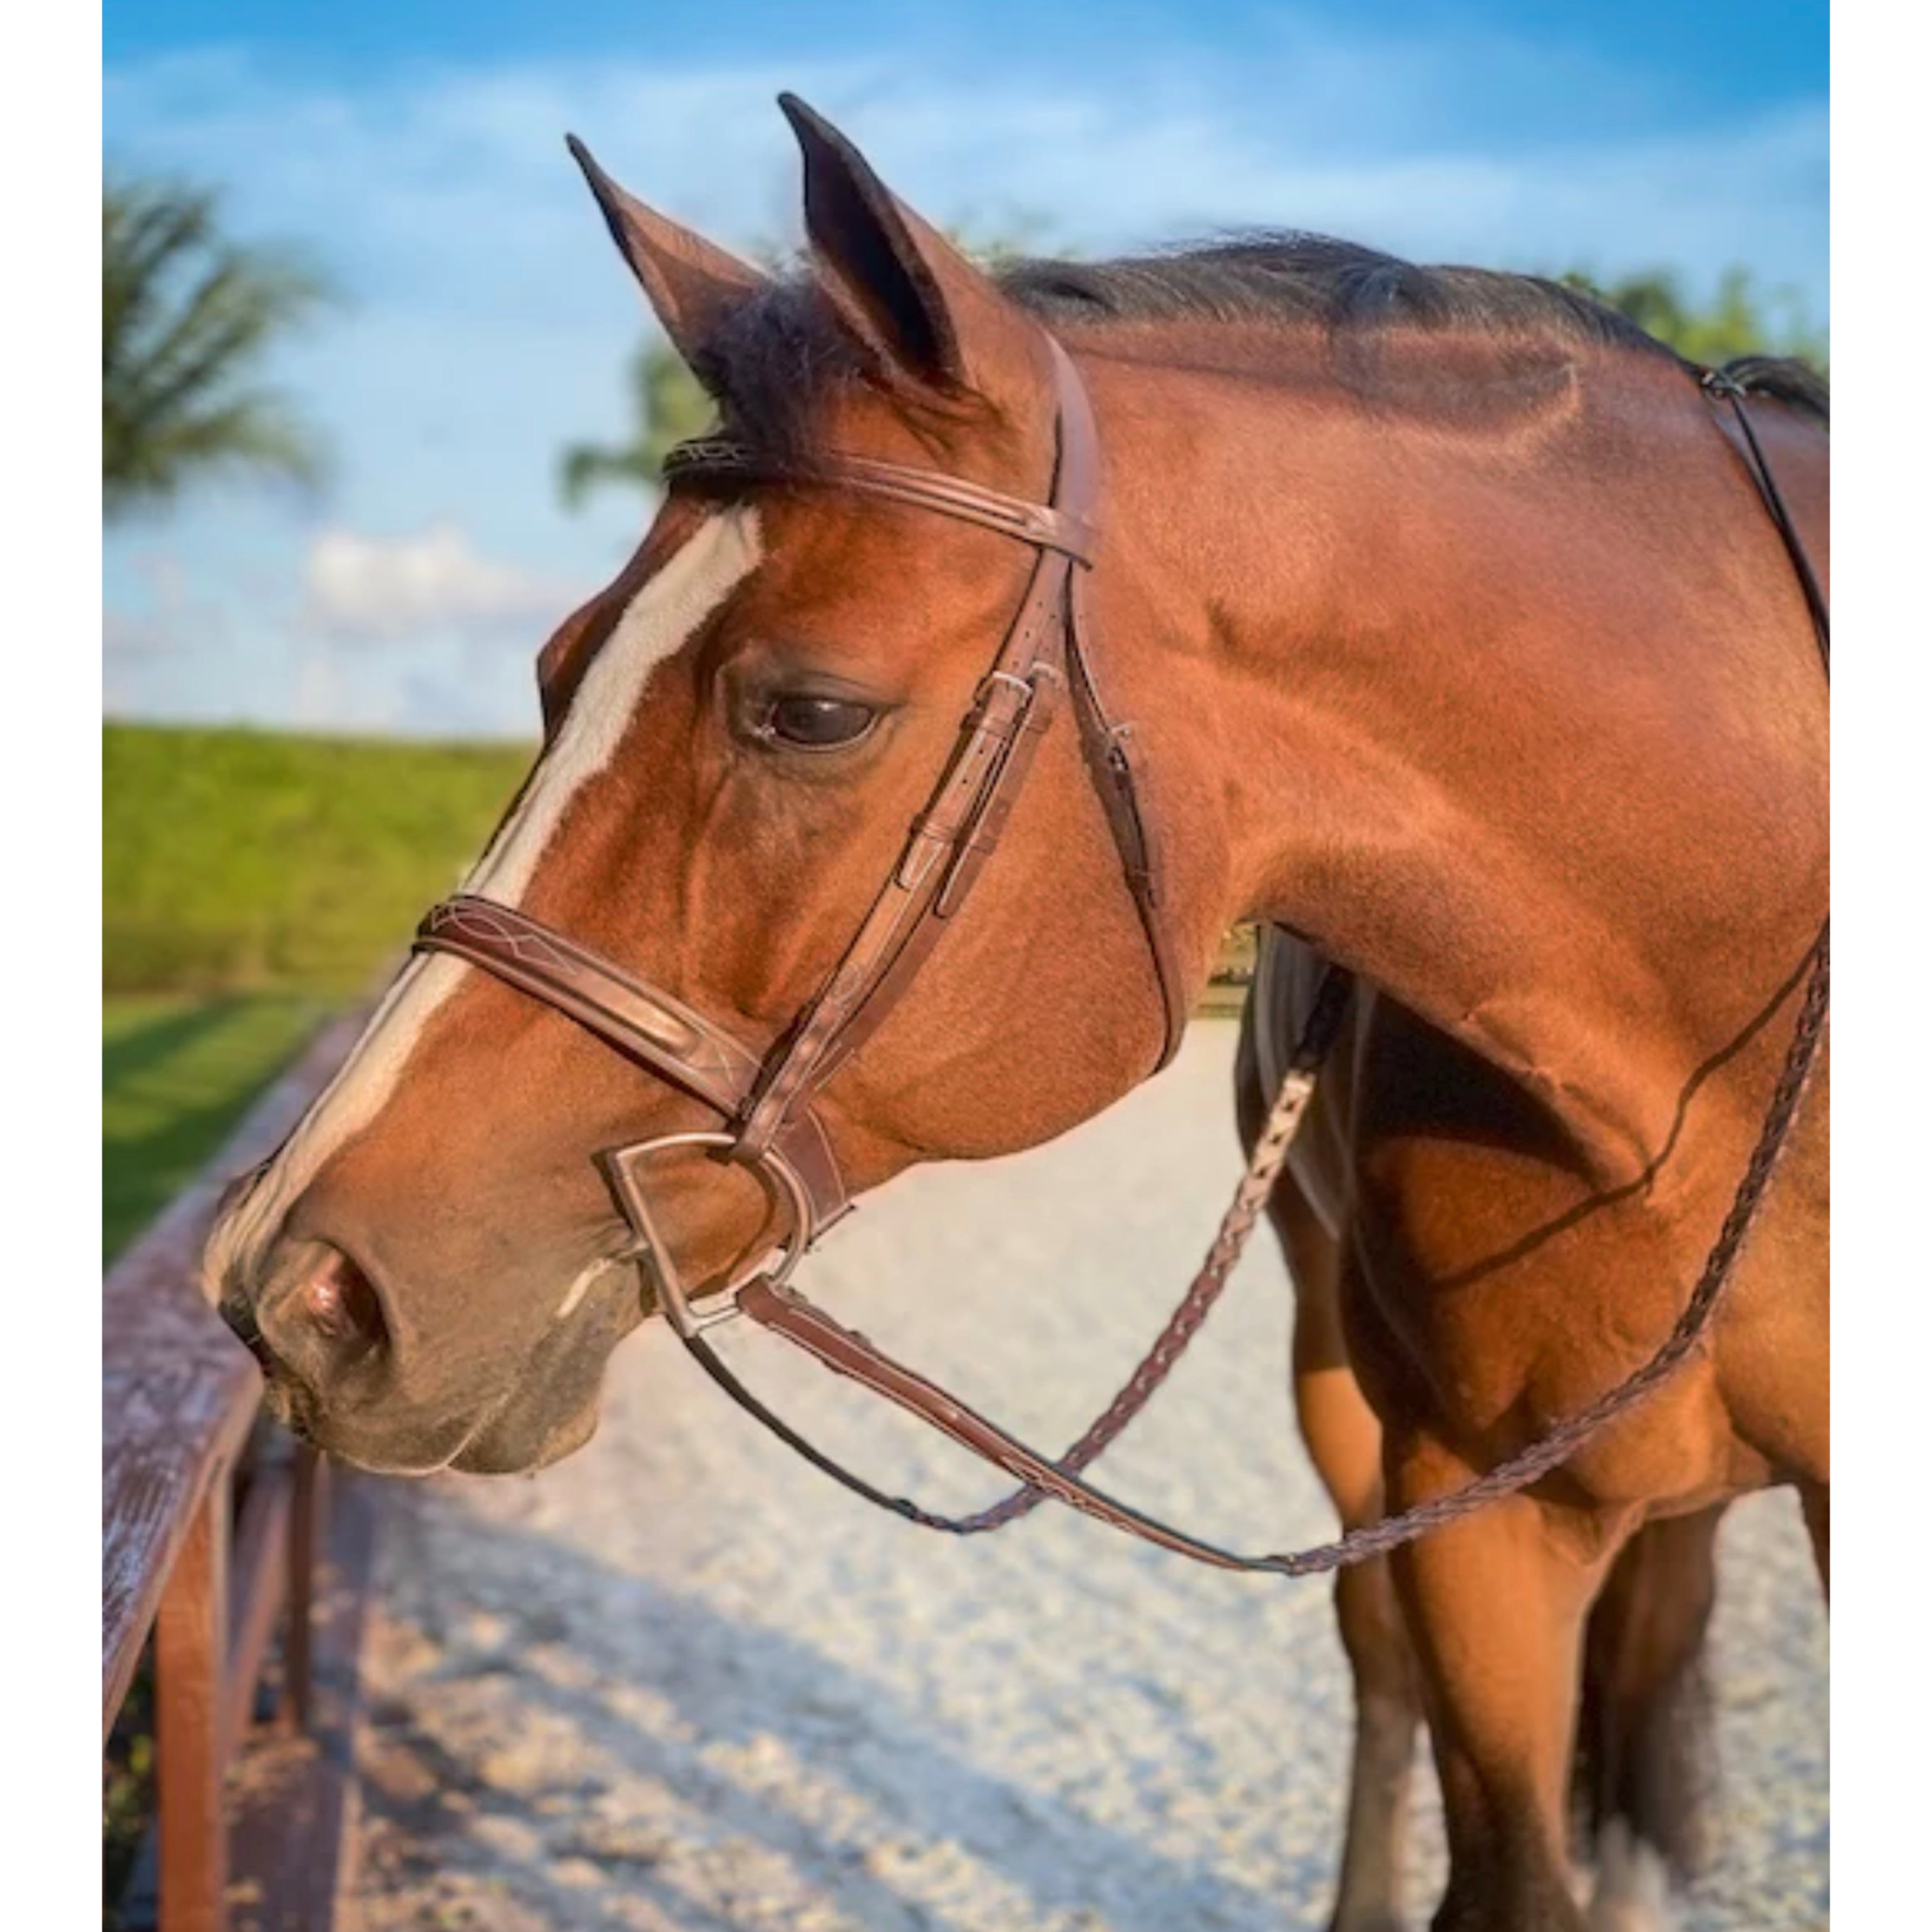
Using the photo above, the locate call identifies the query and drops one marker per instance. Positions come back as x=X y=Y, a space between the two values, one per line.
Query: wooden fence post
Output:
x=179 y=1396
x=305 y=1523
x=190 y=1658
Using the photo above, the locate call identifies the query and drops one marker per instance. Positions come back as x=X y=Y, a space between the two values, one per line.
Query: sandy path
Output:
x=682 y=1682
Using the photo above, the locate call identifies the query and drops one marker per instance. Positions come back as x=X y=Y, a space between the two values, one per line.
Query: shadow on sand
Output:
x=589 y=1763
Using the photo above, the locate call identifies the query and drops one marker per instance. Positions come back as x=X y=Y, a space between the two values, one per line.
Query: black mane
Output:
x=781 y=351
x=1290 y=277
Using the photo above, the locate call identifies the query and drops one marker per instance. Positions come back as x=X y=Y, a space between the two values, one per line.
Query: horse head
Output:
x=742 y=735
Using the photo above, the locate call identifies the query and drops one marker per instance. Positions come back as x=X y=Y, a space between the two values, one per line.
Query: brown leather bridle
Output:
x=764 y=1101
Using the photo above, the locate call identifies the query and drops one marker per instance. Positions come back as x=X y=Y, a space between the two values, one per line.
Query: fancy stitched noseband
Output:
x=764 y=1102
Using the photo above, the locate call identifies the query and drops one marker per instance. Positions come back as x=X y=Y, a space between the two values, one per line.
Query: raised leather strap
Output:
x=1113 y=764
x=639 y=1021
x=645 y=1024
x=714 y=460
x=961 y=827
x=948 y=844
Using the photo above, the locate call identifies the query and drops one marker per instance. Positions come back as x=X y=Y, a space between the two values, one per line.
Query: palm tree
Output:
x=1738 y=321
x=667 y=406
x=187 y=316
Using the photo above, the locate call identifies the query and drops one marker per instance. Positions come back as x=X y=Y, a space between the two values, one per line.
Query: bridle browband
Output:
x=764 y=1101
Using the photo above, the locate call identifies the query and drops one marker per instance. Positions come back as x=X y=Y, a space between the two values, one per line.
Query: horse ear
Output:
x=923 y=312
x=692 y=284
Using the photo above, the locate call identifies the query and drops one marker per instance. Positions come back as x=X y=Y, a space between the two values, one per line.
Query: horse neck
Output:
x=1511 y=710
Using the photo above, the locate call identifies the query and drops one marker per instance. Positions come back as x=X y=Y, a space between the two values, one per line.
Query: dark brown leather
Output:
x=1113 y=762
x=710 y=461
x=785 y=1313
x=643 y=1023
x=639 y=1021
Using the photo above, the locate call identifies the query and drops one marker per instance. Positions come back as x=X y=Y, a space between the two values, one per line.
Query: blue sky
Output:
x=416 y=150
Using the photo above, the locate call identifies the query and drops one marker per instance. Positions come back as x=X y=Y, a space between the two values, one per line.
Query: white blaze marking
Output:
x=666 y=613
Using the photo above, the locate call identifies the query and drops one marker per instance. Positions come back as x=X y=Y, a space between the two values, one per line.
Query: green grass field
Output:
x=176 y=1073
x=240 y=860
x=251 y=881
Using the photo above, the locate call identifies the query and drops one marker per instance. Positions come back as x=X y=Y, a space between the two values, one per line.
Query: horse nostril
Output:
x=340 y=1303
x=317 y=1320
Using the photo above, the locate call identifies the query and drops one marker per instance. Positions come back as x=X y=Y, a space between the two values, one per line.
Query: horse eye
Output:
x=817 y=724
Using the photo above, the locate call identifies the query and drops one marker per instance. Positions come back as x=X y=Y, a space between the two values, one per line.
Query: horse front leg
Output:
x=1495 y=1606
x=1644 y=1755
x=1375 y=1848
x=1344 y=1442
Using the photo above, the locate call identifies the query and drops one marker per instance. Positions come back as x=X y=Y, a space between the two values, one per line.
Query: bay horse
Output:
x=1457 y=647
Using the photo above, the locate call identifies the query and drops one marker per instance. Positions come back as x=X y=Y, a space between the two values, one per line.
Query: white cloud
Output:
x=364 y=589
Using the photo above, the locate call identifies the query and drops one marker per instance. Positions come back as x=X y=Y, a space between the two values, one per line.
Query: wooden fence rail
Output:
x=180 y=1404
